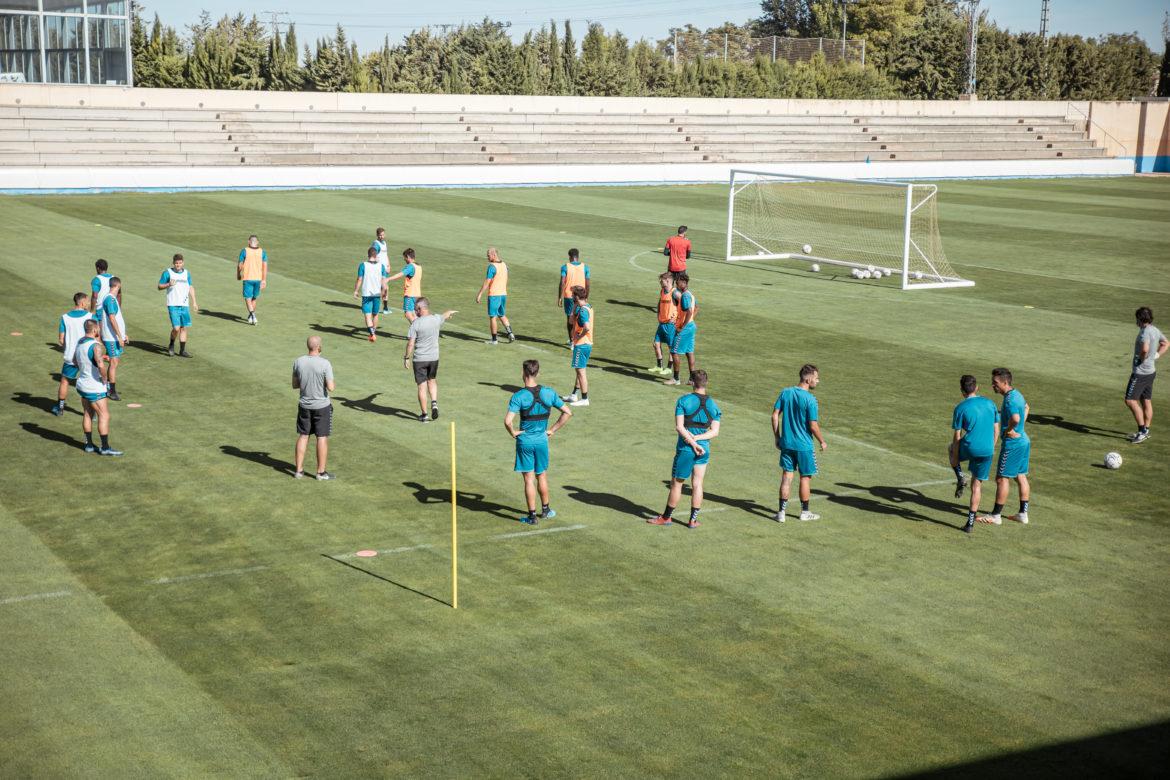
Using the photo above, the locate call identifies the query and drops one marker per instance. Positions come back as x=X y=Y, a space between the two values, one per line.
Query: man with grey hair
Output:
x=422 y=344
x=313 y=376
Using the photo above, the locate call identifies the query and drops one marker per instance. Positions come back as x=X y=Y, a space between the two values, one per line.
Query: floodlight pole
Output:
x=972 y=45
x=1044 y=20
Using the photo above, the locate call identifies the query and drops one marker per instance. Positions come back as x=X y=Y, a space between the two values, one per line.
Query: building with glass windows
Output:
x=65 y=41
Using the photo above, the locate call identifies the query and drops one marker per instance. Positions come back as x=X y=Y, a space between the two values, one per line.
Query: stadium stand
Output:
x=106 y=136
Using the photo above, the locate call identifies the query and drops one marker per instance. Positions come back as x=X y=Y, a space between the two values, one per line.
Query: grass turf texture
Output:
x=878 y=641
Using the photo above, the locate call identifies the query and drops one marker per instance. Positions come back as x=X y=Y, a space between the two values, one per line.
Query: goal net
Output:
x=885 y=226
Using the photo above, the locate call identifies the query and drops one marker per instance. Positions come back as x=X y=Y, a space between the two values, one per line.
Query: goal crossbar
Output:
x=876 y=224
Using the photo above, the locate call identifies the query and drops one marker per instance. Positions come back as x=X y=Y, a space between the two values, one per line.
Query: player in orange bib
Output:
x=252 y=270
x=667 y=312
x=573 y=274
x=495 y=284
x=411 y=276
x=582 y=321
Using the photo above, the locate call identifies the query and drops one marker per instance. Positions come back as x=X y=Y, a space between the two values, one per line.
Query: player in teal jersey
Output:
x=795 y=425
x=696 y=419
x=70 y=330
x=975 y=427
x=534 y=403
x=1014 y=451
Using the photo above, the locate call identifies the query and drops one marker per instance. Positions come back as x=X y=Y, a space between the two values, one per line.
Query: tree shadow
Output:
x=40 y=402
x=895 y=500
x=474 y=502
x=609 y=501
x=631 y=304
x=221 y=315
x=743 y=504
x=262 y=458
x=505 y=388
x=1057 y=421
x=386 y=579
x=53 y=436
x=367 y=405
x=146 y=346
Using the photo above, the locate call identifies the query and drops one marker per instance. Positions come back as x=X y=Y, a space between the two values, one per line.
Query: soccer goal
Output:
x=885 y=226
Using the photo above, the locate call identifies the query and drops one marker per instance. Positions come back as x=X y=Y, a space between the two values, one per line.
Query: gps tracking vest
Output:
x=526 y=414
x=689 y=420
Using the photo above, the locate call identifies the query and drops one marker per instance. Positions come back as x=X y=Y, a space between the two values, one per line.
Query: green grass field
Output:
x=176 y=612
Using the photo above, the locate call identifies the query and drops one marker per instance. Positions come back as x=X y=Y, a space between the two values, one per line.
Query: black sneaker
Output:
x=434 y=411
x=960 y=483
x=511 y=338
x=969 y=526
x=422 y=418
x=57 y=411
x=323 y=475
x=110 y=451
x=171 y=350
x=185 y=354
x=113 y=395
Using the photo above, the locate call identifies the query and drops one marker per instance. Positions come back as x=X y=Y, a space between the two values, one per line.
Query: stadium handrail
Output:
x=1089 y=120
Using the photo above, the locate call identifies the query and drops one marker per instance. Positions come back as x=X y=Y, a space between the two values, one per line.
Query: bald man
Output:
x=313 y=376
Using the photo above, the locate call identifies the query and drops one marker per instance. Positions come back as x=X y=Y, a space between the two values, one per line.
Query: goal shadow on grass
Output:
x=386 y=579
x=262 y=458
x=473 y=502
x=894 y=500
x=617 y=503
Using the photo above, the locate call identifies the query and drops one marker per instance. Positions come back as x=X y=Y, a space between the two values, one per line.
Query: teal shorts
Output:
x=371 y=304
x=91 y=397
x=1013 y=460
x=568 y=304
x=581 y=355
x=252 y=289
x=497 y=305
x=113 y=348
x=684 y=341
x=532 y=455
x=180 y=316
x=685 y=460
x=978 y=465
x=68 y=371
x=408 y=303
x=665 y=333
x=804 y=461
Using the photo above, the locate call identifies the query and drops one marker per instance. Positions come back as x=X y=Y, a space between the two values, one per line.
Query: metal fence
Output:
x=683 y=47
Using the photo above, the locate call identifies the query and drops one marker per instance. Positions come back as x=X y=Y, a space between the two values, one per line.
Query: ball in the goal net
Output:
x=814 y=268
x=917 y=275
x=807 y=249
x=877 y=274
x=1113 y=460
x=855 y=273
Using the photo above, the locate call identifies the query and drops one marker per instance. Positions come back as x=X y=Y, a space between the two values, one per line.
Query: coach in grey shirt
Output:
x=422 y=344
x=313 y=376
x=1139 y=391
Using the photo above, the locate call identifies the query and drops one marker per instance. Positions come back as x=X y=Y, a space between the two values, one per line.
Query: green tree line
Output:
x=915 y=49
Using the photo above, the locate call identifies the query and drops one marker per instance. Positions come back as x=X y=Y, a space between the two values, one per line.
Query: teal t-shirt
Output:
x=1014 y=403
x=688 y=405
x=798 y=408
x=525 y=400
x=976 y=417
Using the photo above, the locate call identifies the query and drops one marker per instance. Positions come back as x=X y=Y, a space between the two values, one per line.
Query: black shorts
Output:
x=315 y=422
x=425 y=370
x=1140 y=387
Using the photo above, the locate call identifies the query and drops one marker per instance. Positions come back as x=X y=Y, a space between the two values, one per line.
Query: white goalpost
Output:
x=887 y=227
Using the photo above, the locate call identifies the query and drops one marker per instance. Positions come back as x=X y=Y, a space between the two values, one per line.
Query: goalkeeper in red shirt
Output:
x=678 y=249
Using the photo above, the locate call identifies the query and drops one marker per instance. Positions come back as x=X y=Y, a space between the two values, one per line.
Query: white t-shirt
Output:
x=179 y=294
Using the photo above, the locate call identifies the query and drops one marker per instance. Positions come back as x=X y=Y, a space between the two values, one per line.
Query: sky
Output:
x=368 y=22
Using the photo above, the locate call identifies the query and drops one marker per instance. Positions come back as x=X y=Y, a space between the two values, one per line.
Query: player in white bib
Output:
x=89 y=357
x=114 y=336
x=176 y=280
x=99 y=288
x=69 y=332
x=371 y=288
x=382 y=249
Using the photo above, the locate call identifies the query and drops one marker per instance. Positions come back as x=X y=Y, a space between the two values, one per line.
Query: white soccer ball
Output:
x=761 y=252
x=855 y=273
x=866 y=274
x=869 y=268
x=877 y=274
x=1113 y=460
x=917 y=274
x=807 y=249
x=816 y=269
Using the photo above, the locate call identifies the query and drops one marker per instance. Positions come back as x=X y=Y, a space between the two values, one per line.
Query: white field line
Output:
x=391 y=551
x=555 y=530
x=55 y=594
x=206 y=575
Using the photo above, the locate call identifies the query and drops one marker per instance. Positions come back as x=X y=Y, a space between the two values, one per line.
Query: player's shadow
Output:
x=455 y=334
x=262 y=458
x=221 y=315
x=505 y=388
x=53 y=436
x=474 y=502
x=538 y=340
x=43 y=403
x=631 y=304
x=342 y=304
x=631 y=373
x=386 y=579
x=895 y=500
x=1057 y=421
x=743 y=504
x=353 y=333
x=146 y=346
x=367 y=405
x=609 y=501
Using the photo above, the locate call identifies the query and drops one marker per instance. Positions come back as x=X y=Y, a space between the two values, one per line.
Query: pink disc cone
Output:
x=133 y=406
x=366 y=553
x=16 y=333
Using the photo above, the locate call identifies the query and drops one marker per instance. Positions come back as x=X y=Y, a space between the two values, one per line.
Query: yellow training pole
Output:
x=454 y=528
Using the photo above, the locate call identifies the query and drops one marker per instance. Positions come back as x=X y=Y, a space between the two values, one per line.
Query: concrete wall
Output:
x=1136 y=130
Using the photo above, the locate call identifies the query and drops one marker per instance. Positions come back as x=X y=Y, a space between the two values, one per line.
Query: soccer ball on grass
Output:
x=814 y=268
x=1113 y=460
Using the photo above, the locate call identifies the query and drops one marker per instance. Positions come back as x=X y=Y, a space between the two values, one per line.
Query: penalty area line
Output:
x=55 y=594
x=206 y=575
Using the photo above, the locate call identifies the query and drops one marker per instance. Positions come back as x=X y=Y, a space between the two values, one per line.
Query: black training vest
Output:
x=526 y=414
x=689 y=420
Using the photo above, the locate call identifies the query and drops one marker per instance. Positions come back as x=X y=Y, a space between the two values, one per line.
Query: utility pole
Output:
x=1044 y=20
x=972 y=45
x=844 y=21
x=276 y=19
